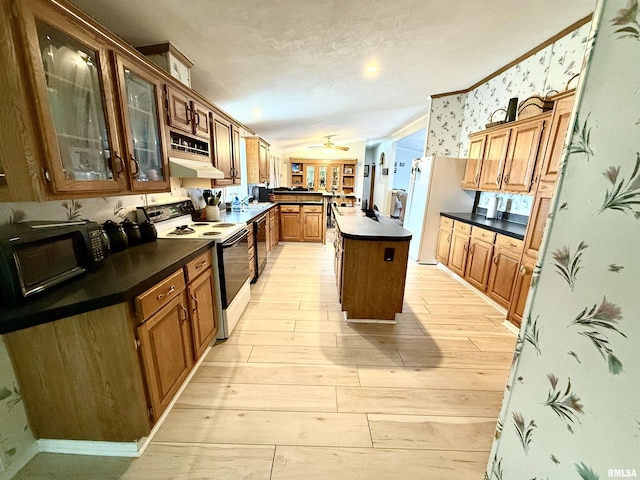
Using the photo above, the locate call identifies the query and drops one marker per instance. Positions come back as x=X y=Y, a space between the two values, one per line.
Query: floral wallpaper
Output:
x=17 y=443
x=445 y=123
x=571 y=407
x=548 y=70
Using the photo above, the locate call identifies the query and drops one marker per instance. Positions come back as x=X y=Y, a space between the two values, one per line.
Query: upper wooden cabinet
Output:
x=140 y=95
x=187 y=114
x=507 y=157
x=524 y=145
x=257 y=160
x=557 y=133
x=471 y=178
x=85 y=115
x=495 y=153
x=74 y=108
x=226 y=150
x=538 y=220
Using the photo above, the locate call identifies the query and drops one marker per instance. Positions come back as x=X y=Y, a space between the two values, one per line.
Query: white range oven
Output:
x=230 y=255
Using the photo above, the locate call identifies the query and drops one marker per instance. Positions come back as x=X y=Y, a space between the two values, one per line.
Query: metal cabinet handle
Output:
x=196 y=117
x=495 y=259
x=135 y=162
x=195 y=302
x=201 y=264
x=476 y=179
x=498 y=177
x=524 y=270
x=449 y=239
x=506 y=179
x=188 y=113
x=169 y=292
x=186 y=313
x=119 y=163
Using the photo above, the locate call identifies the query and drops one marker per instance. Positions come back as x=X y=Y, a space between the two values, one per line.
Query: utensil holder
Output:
x=212 y=213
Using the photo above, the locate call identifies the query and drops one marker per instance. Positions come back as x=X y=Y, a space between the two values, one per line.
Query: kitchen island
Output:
x=371 y=255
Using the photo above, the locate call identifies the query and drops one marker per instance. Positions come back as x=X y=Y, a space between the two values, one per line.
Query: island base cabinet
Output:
x=373 y=277
x=165 y=345
x=80 y=377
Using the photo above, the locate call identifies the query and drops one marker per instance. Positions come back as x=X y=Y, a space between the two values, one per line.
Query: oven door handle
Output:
x=237 y=238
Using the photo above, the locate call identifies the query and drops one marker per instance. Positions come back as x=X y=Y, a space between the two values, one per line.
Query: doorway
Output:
x=372 y=175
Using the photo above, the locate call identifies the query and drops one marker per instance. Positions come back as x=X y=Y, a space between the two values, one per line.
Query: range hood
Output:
x=182 y=168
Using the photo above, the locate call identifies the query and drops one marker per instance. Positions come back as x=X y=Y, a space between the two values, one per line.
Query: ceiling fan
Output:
x=329 y=145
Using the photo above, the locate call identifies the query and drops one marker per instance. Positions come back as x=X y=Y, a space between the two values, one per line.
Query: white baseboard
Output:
x=472 y=288
x=19 y=462
x=368 y=320
x=88 y=447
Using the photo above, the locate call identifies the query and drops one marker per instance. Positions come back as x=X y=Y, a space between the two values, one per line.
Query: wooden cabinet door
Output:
x=276 y=229
x=140 y=95
x=478 y=263
x=201 y=126
x=235 y=155
x=521 y=290
x=444 y=245
x=555 y=144
x=290 y=226
x=471 y=177
x=495 y=153
x=179 y=114
x=74 y=102
x=312 y=226
x=165 y=344
x=444 y=240
x=204 y=324
x=263 y=162
x=538 y=220
x=222 y=159
x=458 y=253
x=524 y=145
x=503 y=274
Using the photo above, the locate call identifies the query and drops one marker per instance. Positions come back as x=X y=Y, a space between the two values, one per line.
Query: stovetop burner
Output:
x=211 y=233
x=224 y=225
x=182 y=230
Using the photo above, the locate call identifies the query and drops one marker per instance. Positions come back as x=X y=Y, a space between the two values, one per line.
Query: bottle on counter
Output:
x=235 y=205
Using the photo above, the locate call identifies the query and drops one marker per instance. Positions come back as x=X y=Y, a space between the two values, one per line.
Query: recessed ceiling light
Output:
x=372 y=69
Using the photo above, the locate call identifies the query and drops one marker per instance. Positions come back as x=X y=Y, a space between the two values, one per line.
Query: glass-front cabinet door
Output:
x=310 y=176
x=75 y=98
x=140 y=100
x=322 y=177
x=335 y=179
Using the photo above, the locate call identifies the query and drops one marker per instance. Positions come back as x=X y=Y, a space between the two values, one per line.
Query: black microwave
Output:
x=35 y=256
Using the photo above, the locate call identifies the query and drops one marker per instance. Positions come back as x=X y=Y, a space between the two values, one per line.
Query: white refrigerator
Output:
x=435 y=186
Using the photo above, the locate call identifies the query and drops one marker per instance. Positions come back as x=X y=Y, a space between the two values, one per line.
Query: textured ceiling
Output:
x=302 y=62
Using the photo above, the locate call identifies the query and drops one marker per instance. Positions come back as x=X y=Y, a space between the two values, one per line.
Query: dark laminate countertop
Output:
x=510 y=229
x=247 y=214
x=123 y=276
x=355 y=225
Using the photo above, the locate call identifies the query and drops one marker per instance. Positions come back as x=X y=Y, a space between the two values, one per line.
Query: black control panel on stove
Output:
x=160 y=213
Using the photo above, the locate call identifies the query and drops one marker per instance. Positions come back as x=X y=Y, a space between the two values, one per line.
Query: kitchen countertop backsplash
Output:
x=513 y=207
x=102 y=209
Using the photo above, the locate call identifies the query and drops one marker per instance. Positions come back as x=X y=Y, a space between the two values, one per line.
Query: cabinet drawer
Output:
x=312 y=208
x=446 y=222
x=198 y=265
x=509 y=243
x=159 y=295
x=290 y=208
x=483 y=235
x=462 y=227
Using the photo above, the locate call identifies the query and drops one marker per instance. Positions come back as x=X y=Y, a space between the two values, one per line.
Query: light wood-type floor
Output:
x=298 y=394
